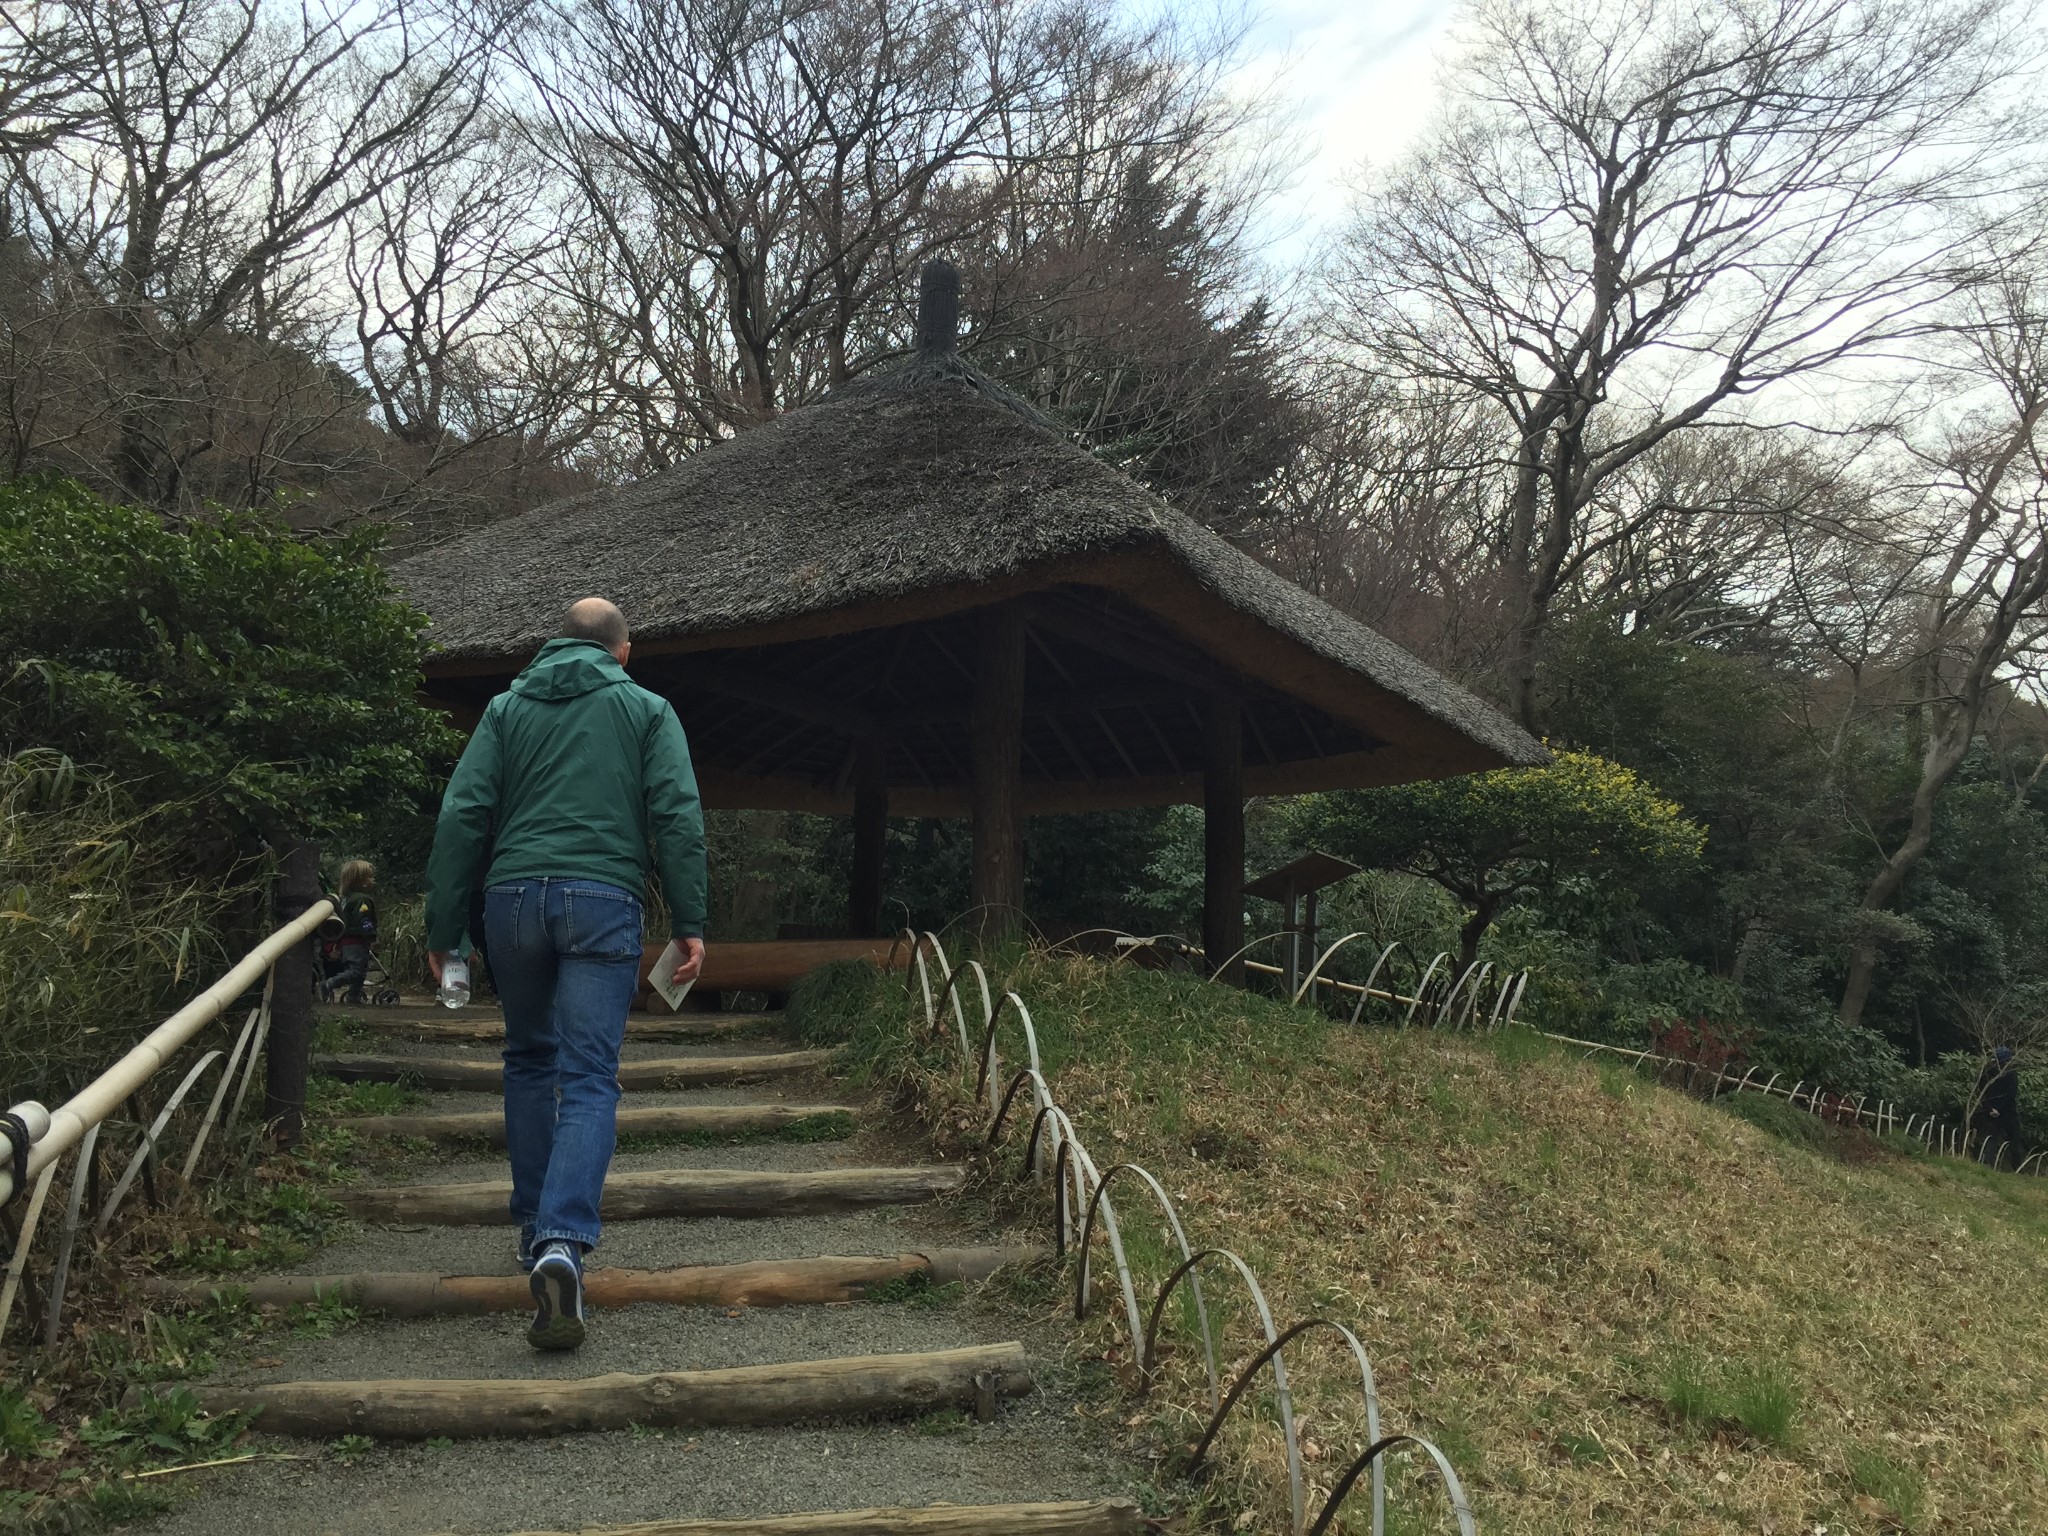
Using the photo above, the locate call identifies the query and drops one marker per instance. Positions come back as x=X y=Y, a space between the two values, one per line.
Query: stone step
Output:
x=660 y=1120
x=858 y=1387
x=827 y=1280
x=666 y=1192
x=660 y=1072
x=1090 y=1517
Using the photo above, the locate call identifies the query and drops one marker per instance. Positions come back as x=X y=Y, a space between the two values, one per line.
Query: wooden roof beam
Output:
x=1095 y=711
x=772 y=692
x=1080 y=701
x=1172 y=757
x=1098 y=634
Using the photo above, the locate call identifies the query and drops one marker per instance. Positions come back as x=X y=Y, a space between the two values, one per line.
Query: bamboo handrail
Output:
x=105 y=1093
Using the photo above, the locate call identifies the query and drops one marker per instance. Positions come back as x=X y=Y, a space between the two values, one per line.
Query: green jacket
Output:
x=580 y=772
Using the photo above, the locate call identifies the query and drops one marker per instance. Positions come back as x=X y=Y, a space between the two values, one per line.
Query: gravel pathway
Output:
x=1035 y=1450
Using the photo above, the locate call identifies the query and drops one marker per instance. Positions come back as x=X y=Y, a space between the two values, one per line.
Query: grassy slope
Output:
x=1615 y=1307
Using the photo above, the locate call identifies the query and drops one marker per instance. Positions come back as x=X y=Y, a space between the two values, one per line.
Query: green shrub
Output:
x=246 y=682
x=1493 y=840
x=102 y=927
x=1778 y=1117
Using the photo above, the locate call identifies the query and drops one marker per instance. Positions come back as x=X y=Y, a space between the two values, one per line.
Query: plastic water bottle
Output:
x=454 y=982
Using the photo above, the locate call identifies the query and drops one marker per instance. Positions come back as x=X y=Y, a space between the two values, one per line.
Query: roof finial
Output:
x=938 y=307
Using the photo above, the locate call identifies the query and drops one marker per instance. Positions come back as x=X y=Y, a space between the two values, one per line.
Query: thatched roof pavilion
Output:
x=917 y=596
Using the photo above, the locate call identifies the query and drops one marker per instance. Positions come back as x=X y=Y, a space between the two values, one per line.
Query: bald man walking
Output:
x=583 y=779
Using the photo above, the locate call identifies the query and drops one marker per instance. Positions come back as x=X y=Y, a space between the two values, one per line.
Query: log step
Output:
x=658 y=1120
x=1103 y=1517
x=487 y=1025
x=864 y=1386
x=662 y=1072
x=759 y=1283
x=665 y=1192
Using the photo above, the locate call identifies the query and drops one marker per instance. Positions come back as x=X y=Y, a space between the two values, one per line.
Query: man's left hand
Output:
x=693 y=962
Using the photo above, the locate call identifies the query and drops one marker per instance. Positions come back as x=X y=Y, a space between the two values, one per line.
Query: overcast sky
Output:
x=1357 y=78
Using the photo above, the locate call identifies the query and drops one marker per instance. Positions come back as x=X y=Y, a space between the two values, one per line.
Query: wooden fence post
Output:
x=1223 y=841
x=291 y=1004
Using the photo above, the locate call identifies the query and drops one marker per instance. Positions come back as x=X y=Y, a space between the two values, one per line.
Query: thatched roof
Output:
x=899 y=503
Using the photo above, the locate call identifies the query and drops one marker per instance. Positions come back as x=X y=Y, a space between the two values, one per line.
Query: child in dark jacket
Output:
x=351 y=951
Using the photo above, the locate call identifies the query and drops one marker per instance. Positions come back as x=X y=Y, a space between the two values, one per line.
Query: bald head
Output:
x=594 y=618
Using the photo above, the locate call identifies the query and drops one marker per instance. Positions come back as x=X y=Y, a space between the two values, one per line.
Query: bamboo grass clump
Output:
x=100 y=924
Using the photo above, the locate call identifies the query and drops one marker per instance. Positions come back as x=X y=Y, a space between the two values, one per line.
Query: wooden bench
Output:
x=773 y=966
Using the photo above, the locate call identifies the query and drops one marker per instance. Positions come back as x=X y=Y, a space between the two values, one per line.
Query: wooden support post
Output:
x=870 y=837
x=1223 y=836
x=998 y=882
x=1293 y=940
x=291 y=1004
x=1309 y=937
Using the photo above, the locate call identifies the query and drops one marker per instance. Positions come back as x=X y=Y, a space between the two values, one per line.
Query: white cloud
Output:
x=1356 y=80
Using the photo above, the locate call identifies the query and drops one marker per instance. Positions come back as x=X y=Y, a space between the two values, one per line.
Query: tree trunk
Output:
x=1475 y=927
x=1526 y=629
x=1943 y=756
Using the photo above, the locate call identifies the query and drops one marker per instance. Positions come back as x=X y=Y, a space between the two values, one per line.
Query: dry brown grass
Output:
x=1542 y=1254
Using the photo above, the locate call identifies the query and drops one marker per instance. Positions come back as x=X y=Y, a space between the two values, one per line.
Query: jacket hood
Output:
x=567 y=669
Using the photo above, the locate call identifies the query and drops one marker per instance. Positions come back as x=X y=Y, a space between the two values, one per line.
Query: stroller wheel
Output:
x=385 y=997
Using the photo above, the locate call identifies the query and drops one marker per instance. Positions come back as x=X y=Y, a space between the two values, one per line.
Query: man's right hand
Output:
x=693 y=962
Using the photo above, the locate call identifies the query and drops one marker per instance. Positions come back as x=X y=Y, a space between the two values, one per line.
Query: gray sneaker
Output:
x=557 y=1284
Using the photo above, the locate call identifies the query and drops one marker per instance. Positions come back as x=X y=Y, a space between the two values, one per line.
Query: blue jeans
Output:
x=565 y=956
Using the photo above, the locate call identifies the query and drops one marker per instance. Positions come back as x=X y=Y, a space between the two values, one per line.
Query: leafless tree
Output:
x=1979 y=509
x=39 y=57
x=759 y=181
x=1635 y=217
x=476 y=369
x=1389 y=507
x=758 y=175
x=212 y=144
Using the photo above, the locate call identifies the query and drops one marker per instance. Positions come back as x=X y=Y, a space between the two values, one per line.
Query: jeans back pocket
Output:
x=603 y=923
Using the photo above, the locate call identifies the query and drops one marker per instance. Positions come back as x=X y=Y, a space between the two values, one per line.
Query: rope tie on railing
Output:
x=15 y=1129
